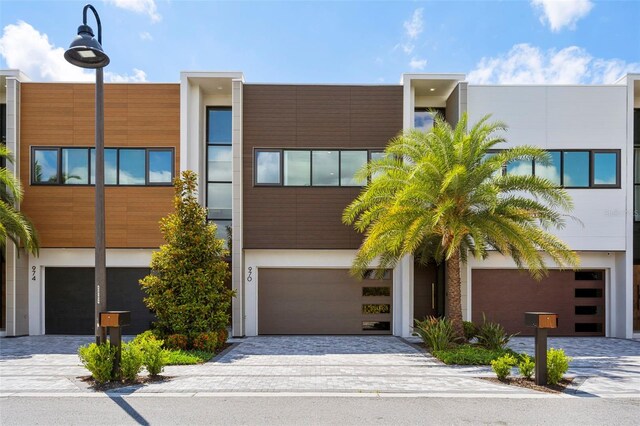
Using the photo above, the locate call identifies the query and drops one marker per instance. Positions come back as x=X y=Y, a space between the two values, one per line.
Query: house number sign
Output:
x=33 y=273
x=249 y=272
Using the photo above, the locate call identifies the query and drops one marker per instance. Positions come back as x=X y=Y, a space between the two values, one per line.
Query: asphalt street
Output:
x=311 y=410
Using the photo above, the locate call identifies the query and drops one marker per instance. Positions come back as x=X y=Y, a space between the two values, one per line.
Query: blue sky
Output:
x=519 y=41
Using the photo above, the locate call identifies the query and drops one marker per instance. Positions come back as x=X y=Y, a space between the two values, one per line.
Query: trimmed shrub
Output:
x=186 y=289
x=470 y=330
x=177 y=341
x=492 y=335
x=526 y=366
x=437 y=333
x=557 y=365
x=131 y=361
x=207 y=342
x=98 y=359
x=471 y=355
x=190 y=357
x=502 y=366
x=153 y=356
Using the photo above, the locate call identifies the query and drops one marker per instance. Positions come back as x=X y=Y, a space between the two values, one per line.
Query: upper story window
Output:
x=573 y=168
x=219 y=167
x=423 y=118
x=122 y=166
x=321 y=167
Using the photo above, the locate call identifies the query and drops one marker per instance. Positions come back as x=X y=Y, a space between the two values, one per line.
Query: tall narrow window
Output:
x=219 y=168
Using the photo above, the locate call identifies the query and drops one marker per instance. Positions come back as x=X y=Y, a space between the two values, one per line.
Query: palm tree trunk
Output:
x=454 y=298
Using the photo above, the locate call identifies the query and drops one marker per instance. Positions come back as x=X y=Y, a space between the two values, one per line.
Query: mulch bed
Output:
x=530 y=384
x=103 y=387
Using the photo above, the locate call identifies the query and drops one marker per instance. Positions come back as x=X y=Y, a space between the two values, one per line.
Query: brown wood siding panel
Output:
x=136 y=115
x=283 y=116
x=504 y=296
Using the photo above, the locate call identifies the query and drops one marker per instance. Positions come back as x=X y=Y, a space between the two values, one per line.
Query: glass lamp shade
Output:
x=85 y=51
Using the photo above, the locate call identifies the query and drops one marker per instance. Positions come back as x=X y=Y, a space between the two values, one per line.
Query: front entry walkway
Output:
x=324 y=364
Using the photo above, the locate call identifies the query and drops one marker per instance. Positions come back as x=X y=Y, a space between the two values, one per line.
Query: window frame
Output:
x=59 y=149
x=369 y=151
x=591 y=155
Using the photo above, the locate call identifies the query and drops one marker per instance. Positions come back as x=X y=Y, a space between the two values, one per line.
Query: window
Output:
x=300 y=167
x=45 y=166
x=423 y=118
x=324 y=168
x=350 y=163
x=575 y=168
x=268 y=167
x=297 y=168
x=75 y=166
x=131 y=167
x=605 y=168
x=219 y=168
x=122 y=166
x=160 y=166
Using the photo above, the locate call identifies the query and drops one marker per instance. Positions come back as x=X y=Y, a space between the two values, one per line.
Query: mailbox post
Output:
x=542 y=321
x=113 y=321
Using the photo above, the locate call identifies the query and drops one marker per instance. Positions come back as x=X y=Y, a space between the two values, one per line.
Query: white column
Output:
x=237 y=281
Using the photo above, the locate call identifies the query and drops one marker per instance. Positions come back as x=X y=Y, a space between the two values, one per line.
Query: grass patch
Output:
x=190 y=357
x=471 y=355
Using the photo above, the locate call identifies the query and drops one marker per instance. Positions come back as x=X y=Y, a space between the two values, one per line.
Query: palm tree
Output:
x=442 y=194
x=13 y=224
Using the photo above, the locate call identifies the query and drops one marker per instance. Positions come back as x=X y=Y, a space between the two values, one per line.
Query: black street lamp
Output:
x=86 y=52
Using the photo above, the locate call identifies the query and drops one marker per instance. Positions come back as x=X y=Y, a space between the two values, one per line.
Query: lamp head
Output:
x=85 y=51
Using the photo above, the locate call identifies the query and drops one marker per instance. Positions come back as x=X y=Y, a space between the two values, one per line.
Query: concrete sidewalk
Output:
x=321 y=364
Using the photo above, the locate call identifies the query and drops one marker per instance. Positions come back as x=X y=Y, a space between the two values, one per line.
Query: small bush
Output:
x=207 y=342
x=146 y=335
x=502 y=366
x=492 y=335
x=190 y=357
x=557 y=365
x=131 y=361
x=470 y=330
x=154 y=357
x=177 y=341
x=437 y=333
x=526 y=366
x=471 y=355
x=98 y=359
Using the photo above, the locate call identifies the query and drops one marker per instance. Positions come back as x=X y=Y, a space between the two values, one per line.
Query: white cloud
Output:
x=414 y=26
x=146 y=36
x=417 y=64
x=562 y=13
x=147 y=7
x=138 y=76
x=526 y=64
x=27 y=49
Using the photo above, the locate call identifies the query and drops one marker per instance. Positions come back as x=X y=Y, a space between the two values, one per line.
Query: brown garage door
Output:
x=322 y=301
x=505 y=294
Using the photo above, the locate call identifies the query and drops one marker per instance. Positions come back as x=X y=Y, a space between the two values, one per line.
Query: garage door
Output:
x=322 y=301
x=69 y=299
x=578 y=297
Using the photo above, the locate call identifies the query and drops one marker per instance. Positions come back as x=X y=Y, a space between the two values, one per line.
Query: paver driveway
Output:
x=347 y=364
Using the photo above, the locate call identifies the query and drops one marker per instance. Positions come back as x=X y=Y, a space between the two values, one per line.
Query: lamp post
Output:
x=86 y=52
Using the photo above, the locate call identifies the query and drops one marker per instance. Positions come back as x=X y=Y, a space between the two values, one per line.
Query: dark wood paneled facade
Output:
x=316 y=117
x=62 y=115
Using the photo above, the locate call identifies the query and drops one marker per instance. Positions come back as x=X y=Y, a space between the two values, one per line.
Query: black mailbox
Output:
x=541 y=319
x=115 y=318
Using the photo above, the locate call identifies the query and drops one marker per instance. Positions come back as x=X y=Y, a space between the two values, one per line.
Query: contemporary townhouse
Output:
x=276 y=164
